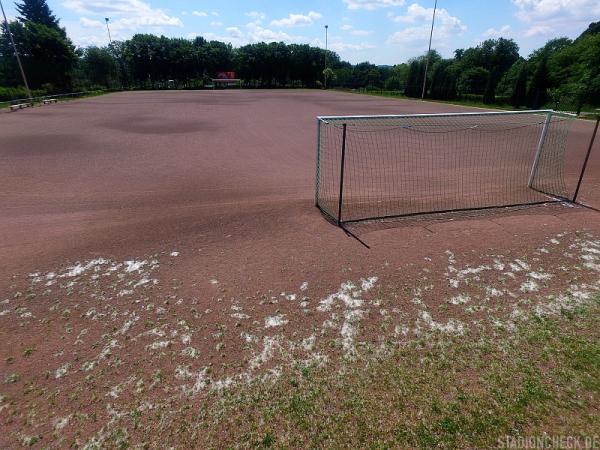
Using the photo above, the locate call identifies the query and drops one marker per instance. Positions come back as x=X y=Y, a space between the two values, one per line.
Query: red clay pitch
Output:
x=120 y=173
x=210 y=197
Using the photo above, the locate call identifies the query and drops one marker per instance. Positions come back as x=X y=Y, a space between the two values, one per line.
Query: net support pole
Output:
x=342 y=164
x=318 y=174
x=538 y=153
x=587 y=158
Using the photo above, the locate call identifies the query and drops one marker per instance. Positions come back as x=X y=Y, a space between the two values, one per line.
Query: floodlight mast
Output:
x=428 y=51
x=12 y=41
x=106 y=19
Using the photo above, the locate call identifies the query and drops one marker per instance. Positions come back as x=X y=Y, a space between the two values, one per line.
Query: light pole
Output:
x=428 y=51
x=12 y=41
x=106 y=19
x=119 y=67
x=326 y=51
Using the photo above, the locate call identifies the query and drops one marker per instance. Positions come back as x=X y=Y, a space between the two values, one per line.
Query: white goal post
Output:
x=383 y=166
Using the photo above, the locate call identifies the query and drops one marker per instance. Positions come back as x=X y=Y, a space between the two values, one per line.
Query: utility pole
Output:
x=428 y=52
x=326 y=51
x=12 y=41
x=106 y=19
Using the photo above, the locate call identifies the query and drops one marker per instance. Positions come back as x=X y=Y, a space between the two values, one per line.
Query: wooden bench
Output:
x=47 y=101
x=20 y=106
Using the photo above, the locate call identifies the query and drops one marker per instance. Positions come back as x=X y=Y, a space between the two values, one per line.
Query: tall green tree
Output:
x=593 y=28
x=100 y=67
x=416 y=74
x=473 y=81
x=366 y=74
x=519 y=93
x=414 y=82
x=443 y=80
x=495 y=57
x=489 y=94
x=48 y=55
x=393 y=83
x=538 y=89
x=37 y=11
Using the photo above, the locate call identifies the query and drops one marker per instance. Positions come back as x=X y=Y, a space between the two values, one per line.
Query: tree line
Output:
x=563 y=70
x=491 y=72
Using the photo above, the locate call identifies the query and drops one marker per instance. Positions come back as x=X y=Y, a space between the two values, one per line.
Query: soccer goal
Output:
x=379 y=167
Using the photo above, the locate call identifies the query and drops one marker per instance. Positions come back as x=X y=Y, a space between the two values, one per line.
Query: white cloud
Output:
x=216 y=24
x=253 y=33
x=415 y=13
x=419 y=18
x=539 y=30
x=504 y=31
x=344 y=46
x=337 y=45
x=199 y=13
x=85 y=32
x=126 y=18
x=256 y=15
x=545 y=17
x=408 y=36
x=350 y=29
x=235 y=32
x=257 y=33
x=136 y=13
x=124 y=14
x=294 y=20
x=372 y=4
x=127 y=24
x=87 y=23
x=531 y=10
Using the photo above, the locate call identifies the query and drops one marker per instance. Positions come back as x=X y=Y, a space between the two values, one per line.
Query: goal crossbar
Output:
x=392 y=166
x=464 y=114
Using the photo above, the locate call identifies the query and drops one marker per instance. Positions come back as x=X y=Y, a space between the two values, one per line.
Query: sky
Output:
x=379 y=31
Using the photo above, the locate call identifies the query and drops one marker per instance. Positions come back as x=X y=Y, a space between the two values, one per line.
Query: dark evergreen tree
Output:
x=37 y=11
x=414 y=82
x=519 y=93
x=443 y=80
x=47 y=54
x=489 y=94
x=593 y=28
x=538 y=90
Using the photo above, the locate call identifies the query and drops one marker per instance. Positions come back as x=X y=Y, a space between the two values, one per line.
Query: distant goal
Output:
x=380 y=167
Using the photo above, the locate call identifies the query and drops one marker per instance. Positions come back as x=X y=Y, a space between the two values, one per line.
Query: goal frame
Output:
x=340 y=120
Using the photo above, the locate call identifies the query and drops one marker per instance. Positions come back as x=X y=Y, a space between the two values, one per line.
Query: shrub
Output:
x=16 y=93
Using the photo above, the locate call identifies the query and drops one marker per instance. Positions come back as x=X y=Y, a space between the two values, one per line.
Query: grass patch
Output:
x=37 y=101
x=438 y=393
x=399 y=95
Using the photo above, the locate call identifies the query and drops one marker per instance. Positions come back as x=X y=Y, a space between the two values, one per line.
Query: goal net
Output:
x=376 y=167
